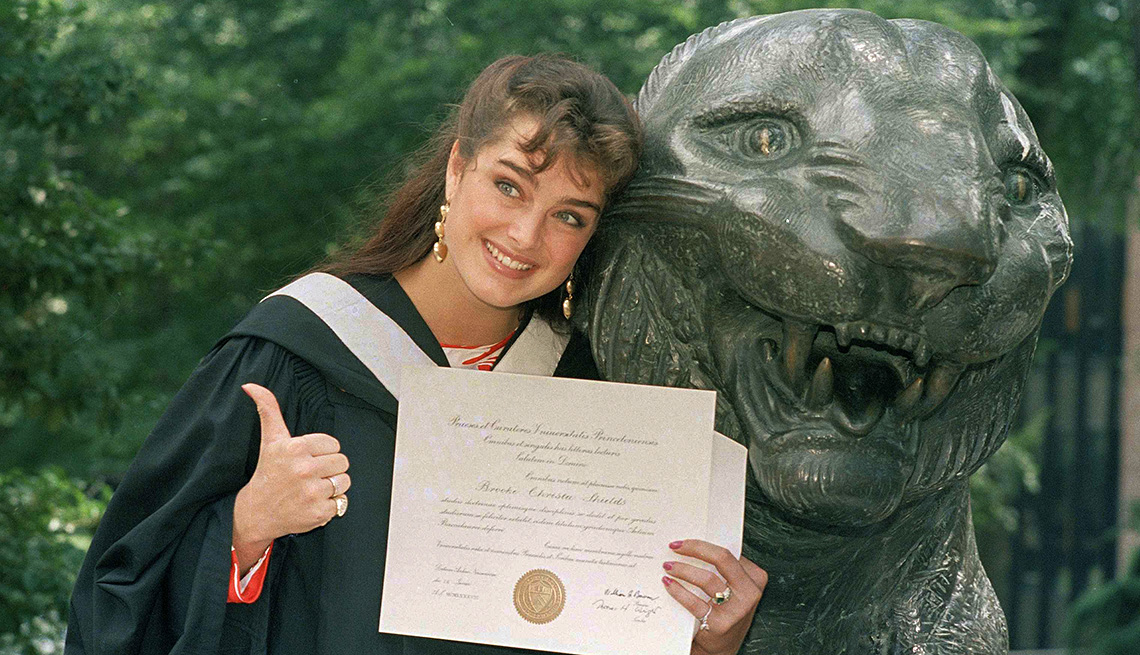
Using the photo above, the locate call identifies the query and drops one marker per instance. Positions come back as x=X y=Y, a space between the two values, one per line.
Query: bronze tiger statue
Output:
x=846 y=227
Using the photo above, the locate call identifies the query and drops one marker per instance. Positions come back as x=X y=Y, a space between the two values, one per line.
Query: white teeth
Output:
x=505 y=260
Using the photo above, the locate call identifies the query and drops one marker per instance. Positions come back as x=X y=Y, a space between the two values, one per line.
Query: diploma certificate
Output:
x=536 y=512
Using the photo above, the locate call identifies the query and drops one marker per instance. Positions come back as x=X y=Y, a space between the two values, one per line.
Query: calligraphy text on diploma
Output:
x=584 y=483
x=568 y=504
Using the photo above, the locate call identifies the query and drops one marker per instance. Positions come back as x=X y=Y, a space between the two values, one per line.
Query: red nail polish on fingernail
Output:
x=668 y=566
x=666 y=580
x=676 y=544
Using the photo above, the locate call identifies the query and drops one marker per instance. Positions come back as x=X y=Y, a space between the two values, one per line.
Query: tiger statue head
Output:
x=846 y=227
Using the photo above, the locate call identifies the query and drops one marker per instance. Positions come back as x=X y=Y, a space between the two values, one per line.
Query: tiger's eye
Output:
x=769 y=139
x=1020 y=188
x=760 y=139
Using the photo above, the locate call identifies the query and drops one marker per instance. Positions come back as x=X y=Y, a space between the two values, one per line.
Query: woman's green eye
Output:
x=1020 y=187
x=570 y=219
x=508 y=189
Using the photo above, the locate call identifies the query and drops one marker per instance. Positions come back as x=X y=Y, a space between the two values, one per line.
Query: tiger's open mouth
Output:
x=833 y=414
x=853 y=374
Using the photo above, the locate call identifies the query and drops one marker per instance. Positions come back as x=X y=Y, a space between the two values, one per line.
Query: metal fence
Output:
x=1066 y=540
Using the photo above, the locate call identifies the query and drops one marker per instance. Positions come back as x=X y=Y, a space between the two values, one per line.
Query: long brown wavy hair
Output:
x=580 y=114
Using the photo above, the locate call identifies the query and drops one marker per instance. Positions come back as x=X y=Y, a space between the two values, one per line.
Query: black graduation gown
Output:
x=156 y=576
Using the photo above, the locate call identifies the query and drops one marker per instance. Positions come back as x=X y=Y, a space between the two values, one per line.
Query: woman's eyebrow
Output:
x=525 y=172
x=529 y=175
x=585 y=204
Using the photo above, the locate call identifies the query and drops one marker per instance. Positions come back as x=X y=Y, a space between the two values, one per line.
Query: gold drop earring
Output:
x=440 y=248
x=568 y=302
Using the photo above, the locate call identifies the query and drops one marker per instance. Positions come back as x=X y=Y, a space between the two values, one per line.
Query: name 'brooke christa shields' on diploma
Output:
x=529 y=511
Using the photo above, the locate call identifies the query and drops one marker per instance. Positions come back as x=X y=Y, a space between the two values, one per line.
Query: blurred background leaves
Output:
x=46 y=520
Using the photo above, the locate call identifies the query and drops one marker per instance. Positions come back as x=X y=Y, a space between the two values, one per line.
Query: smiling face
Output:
x=514 y=234
x=868 y=232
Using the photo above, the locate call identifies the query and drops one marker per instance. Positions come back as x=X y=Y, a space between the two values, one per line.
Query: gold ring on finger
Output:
x=722 y=596
x=705 y=619
x=336 y=487
x=341 y=504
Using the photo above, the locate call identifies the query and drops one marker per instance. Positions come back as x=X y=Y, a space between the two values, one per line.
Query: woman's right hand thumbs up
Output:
x=298 y=485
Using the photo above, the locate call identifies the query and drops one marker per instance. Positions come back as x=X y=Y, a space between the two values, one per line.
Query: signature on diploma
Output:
x=638 y=604
x=462 y=568
x=457 y=581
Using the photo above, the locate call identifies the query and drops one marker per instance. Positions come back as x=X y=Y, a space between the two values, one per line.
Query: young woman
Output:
x=466 y=267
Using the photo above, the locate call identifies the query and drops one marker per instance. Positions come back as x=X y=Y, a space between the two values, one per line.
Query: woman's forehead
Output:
x=553 y=160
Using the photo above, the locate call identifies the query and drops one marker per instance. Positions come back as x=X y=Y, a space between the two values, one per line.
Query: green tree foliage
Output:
x=1078 y=83
x=63 y=247
x=46 y=521
x=1106 y=620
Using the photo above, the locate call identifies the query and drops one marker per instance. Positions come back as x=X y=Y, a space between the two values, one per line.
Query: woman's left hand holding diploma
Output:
x=733 y=595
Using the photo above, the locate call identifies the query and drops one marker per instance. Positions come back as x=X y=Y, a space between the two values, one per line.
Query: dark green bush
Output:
x=1106 y=620
x=46 y=523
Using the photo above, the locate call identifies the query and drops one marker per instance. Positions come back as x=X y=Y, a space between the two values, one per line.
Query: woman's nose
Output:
x=525 y=229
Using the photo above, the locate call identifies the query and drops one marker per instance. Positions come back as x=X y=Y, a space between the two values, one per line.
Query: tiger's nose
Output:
x=931 y=243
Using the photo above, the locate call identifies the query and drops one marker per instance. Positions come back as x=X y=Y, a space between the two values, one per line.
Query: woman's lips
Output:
x=506 y=263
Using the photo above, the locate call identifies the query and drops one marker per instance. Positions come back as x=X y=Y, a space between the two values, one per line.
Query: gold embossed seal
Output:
x=539 y=596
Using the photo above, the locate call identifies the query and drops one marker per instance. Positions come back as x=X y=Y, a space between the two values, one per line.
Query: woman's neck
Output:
x=454 y=315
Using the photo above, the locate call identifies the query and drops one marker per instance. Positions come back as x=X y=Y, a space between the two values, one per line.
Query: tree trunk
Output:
x=1130 y=386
